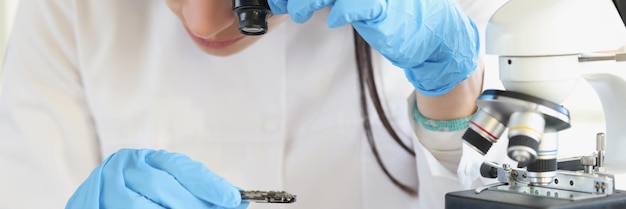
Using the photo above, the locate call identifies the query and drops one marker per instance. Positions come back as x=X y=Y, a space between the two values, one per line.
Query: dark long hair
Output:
x=368 y=84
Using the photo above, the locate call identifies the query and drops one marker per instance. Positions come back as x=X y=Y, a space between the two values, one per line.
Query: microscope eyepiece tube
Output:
x=483 y=131
x=253 y=15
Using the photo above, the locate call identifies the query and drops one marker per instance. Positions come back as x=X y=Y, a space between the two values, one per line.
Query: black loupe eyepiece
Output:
x=253 y=15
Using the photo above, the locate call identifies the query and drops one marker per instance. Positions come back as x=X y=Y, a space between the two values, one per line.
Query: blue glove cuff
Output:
x=440 y=125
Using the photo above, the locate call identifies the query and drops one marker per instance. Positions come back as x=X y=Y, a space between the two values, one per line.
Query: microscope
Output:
x=542 y=47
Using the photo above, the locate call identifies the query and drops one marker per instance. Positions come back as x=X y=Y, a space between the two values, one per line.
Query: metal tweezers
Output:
x=267 y=196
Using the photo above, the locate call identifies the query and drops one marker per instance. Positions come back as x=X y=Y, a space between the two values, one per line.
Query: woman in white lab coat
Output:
x=87 y=78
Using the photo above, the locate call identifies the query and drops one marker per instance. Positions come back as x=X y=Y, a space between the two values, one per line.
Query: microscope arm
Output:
x=611 y=89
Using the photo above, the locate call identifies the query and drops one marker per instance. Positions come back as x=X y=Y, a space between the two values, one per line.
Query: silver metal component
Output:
x=492 y=129
x=549 y=146
x=548 y=192
x=502 y=104
x=600 y=142
x=541 y=178
x=584 y=182
x=267 y=196
x=535 y=123
x=588 y=163
x=572 y=185
x=525 y=132
x=543 y=174
x=601 y=149
x=617 y=57
x=530 y=124
x=588 y=160
x=506 y=166
x=487 y=130
x=620 y=57
x=526 y=116
x=512 y=176
x=483 y=188
x=522 y=154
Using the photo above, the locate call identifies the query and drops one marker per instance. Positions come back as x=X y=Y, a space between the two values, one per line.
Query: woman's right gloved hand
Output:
x=435 y=43
x=147 y=179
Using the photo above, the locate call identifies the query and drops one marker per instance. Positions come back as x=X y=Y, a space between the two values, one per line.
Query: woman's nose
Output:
x=205 y=18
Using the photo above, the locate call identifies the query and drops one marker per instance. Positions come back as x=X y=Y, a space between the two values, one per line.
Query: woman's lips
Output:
x=214 y=44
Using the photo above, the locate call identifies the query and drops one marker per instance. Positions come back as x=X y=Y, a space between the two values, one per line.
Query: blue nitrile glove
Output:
x=147 y=179
x=432 y=40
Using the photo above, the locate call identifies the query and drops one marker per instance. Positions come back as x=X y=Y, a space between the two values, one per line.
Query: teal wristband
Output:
x=440 y=125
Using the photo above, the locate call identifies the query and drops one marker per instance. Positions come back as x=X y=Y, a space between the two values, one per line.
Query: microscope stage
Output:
x=493 y=199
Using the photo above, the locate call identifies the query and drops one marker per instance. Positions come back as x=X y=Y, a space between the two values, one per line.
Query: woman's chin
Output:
x=227 y=51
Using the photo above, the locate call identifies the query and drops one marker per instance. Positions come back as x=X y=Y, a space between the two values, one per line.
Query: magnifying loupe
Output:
x=253 y=15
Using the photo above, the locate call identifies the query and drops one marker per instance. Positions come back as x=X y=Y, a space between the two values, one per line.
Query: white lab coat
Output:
x=85 y=78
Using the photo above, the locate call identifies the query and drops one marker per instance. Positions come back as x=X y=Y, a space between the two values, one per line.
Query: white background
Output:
x=7 y=11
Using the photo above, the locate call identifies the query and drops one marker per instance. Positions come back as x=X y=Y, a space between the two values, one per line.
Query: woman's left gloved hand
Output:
x=435 y=43
x=154 y=179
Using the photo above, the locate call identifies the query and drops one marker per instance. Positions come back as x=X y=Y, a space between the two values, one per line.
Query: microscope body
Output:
x=544 y=47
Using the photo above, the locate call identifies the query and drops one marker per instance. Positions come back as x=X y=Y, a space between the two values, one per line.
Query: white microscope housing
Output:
x=544 y=49
x=540 y=44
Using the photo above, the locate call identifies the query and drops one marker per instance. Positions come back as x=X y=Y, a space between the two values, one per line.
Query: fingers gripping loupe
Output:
x=253 y=15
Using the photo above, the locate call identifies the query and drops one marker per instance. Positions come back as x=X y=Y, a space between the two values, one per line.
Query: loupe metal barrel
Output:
x=253 y=15
x=525 y=132
x=483 y=131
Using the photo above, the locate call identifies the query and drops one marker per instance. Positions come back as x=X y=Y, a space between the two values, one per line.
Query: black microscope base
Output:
x=490 y=199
